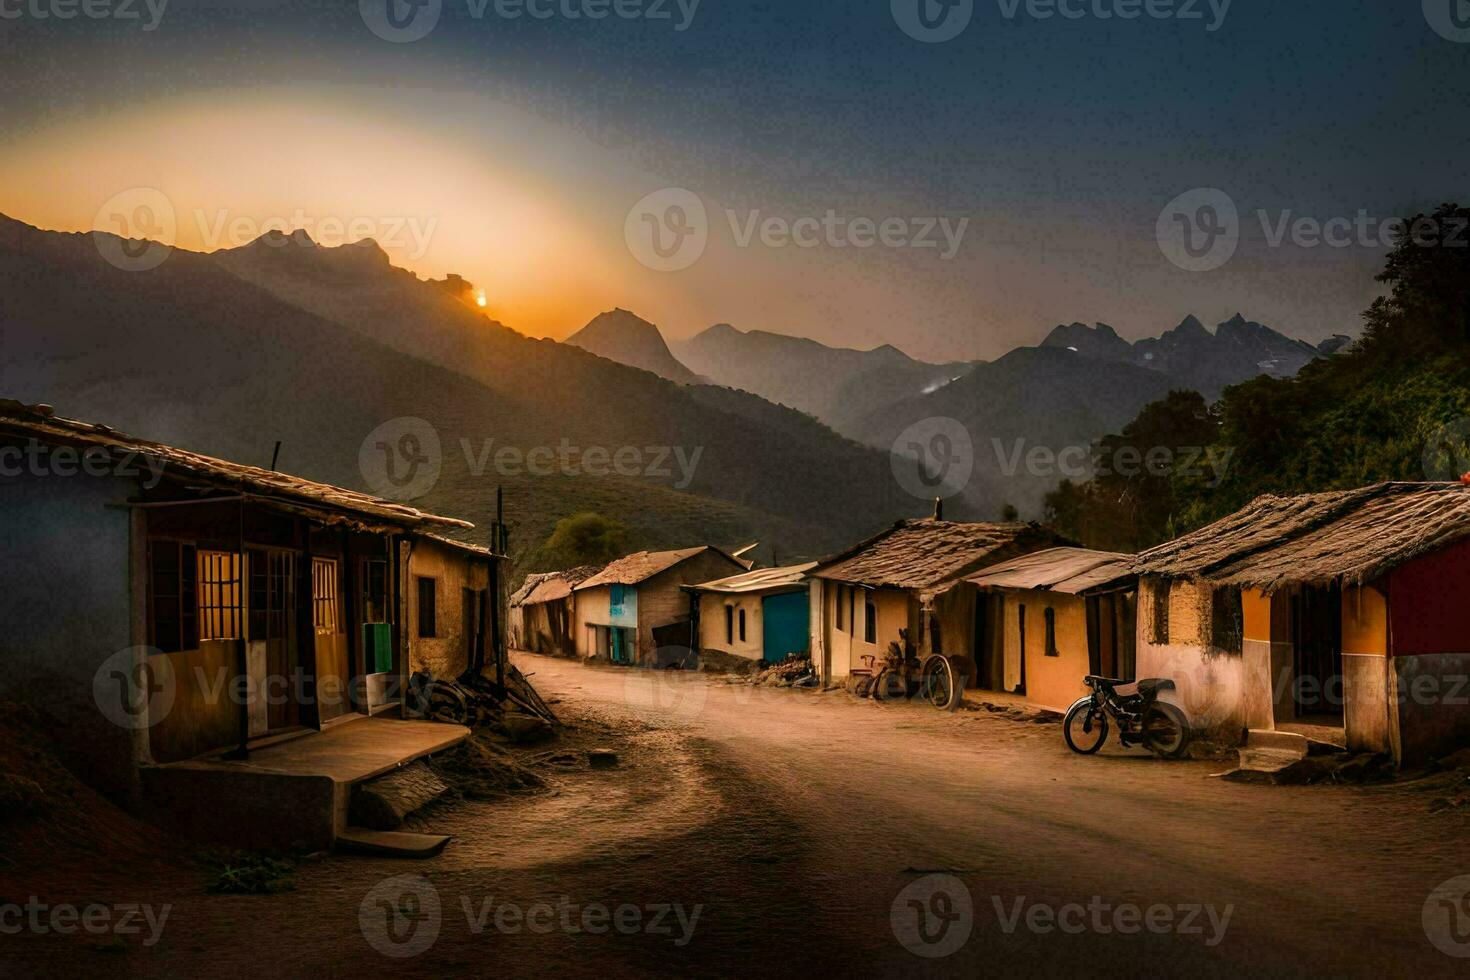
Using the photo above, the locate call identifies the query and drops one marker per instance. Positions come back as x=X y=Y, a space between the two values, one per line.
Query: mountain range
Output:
x=283 y=339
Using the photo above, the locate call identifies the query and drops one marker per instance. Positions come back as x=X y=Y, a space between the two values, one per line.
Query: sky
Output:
x=953 y=177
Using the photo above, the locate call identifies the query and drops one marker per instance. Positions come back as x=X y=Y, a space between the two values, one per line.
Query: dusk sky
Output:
x=512 y=151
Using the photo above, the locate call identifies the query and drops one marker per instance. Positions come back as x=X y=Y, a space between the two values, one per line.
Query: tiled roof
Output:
x=1070 y=571
x=922 y=554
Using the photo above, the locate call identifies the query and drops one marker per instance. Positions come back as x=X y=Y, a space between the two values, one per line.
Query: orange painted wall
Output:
x=1364 y=621
x=1257 y=606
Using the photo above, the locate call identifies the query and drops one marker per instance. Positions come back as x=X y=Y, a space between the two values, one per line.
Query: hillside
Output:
x=1034 y=398
x=627 y=338
x=194 y=354
x=837 y=385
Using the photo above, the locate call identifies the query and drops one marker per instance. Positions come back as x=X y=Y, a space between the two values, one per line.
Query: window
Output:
x=1159 y=626
x=219 y=595
x=729 y=624
x=742 y=626
x=173 y=596
x=1227 y=620
x=324 y=595
x=1051 y=633
x=272 y=590
x=870 y=619
x=374 y=590
x=428 y=588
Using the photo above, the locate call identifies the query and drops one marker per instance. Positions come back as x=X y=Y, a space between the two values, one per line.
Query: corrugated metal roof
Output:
x=37 y=422
x=1070 y=571
x=924 y=554
x=760 y=580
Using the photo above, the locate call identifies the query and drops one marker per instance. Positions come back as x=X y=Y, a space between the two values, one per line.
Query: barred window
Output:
x=173 y=596
x=1227 y=620
x=1159 y=626
x=324 y=594
x=219 y=595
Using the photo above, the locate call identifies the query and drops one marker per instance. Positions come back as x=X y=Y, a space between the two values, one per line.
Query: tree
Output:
x=587 y=538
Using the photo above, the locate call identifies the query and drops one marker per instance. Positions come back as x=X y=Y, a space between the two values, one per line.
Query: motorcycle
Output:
x=1142 y=719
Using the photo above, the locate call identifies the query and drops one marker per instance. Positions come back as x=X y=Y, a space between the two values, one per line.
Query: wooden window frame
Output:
x=870 y=617
x=220 y=585
x=428 y=625
x=326 y=591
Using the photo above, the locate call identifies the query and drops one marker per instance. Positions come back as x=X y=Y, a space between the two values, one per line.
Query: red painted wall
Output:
x=1429 y=605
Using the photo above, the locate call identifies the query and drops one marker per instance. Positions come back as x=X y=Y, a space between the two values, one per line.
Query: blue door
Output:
x=784 y=618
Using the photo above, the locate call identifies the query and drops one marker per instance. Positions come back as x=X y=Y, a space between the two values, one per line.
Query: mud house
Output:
x=637 y=605
x=762 y=615
x=1343 y=616
x=1062 y=614
x=165 y=606
x=906 y=585
x=543 y=610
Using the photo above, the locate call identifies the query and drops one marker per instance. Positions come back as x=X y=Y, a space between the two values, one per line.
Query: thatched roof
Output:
x=790 y=577
x=927 y=554
x=1345 y=536
x=39 y=423
x=646 y=564
x=1070 y=571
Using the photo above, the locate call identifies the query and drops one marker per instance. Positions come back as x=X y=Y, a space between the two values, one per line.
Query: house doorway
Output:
x=275 y=664
x=989 y=665
x=1316 y=633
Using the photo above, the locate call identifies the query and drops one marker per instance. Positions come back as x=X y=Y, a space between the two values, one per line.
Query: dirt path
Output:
x=799 y=828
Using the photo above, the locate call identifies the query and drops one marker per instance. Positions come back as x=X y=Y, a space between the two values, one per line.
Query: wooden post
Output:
x=356 y=663
x=311 y=711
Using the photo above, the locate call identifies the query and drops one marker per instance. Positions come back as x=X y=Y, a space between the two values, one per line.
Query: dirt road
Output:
x=758 y=831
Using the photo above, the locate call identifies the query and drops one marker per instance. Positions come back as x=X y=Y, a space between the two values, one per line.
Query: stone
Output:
x=383 y=803
x=525 y=729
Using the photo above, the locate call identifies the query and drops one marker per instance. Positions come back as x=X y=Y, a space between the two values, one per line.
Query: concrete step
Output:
x=1272 y=751
x=390 y=843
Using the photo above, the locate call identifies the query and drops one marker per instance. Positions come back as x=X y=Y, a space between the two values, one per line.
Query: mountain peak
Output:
x=624 y=336
x=1191 y=326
